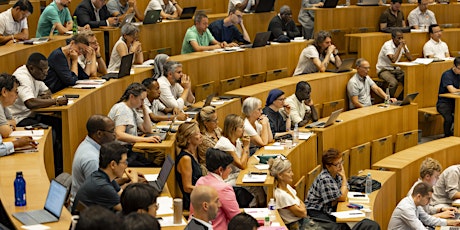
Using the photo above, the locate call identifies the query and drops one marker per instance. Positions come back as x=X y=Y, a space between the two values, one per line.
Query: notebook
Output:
x=57 y=194
x=259 y=41
x=264 y=6
x=346 y=66
x=152 y=17
x=159 y=184
x=125 y=68
x=126 y=20
x=330 y=3
x=207 y=102
x=330 y=120
x=407 y=100
x=368 y=3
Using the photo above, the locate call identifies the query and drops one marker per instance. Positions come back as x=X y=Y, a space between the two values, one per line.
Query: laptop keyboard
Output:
x=315 y=124
x=42 y=216
x=25 y=218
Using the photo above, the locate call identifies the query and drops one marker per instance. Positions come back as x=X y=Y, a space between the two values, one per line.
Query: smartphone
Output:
x=359 y=195
x=71 y=95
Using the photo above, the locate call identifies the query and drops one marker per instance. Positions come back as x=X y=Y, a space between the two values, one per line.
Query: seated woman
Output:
x=278 y=113
x=158 y=63
x=140 y=198
x=64 y=69
x=188 y=170
x=256 y=125
x=127 y=122
x=329 y=187
x=127 y=44
x=207 y=121
x=237 y=146
x=218 y=164
x=291 y=209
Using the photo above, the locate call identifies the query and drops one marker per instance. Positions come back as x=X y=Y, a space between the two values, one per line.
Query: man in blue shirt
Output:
x=450 y=83
x=225 y=30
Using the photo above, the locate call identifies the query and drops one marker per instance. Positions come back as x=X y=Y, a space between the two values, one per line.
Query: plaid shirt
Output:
x=323 y=191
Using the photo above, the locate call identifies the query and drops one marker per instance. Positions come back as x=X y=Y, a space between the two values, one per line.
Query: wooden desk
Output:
x=456 y=112
x=91 y=101
x=406 y=163
x=377 y=122
x=34 y=167
x=14 y=55
x=382 y=201
x=302 y=158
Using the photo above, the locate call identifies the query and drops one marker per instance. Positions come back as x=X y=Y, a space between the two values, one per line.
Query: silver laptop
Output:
x=127 y=19
x=159 y=184
x=346 y=66
x=407 y=100
x=207 y=102
x=330 y=121
x=57 y=195
x=162 y=133
x=368 y=3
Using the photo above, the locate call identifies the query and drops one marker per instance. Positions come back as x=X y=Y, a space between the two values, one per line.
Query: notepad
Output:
x=348 y=214
x=254 y=178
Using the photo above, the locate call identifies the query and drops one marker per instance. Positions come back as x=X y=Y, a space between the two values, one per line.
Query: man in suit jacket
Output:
x=94 y=13
x=205 y=202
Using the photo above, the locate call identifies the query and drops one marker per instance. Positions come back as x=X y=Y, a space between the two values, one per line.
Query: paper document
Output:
x=406 y=63
x=151 y=177
x=91 y=82
x=254 y=178
x=86 y=86
x=305 y=136
x=423 y=61
x=274 y=147
x=262 y=166
x=348 y=214
x=258 y=213
x=169 y=221
x=28 y=133
x=165 y=205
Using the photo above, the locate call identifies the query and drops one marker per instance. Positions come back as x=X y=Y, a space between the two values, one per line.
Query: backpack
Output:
x=358 y=184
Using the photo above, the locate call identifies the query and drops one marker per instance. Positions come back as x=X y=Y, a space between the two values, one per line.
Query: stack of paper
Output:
x=348 y=214
x=357 y=197
x=258 y=213
x=254 y=178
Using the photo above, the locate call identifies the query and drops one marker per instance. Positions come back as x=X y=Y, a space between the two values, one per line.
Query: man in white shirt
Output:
x=121 y=9
x=13 y=22
x=435 y=48
x=175 y=86
x=390 y=53
x=205 y=202
x=421 y=17
x=302 y=107
x=169 y=8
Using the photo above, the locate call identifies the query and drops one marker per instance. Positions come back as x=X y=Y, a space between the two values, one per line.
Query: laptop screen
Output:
x=57 y=194
x=164 y=172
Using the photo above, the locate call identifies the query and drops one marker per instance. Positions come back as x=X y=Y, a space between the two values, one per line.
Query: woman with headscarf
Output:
x=158 y=63
x=278 y=113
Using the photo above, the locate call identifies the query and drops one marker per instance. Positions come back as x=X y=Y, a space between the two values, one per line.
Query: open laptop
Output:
x=407 y=100
x=346 y=66
x=330 y=120
x=152 y=17
x=330 y=3
x=127 y=19
x=163 y=133
x=207 y=102
x=368 y=3
x=57 y=194
x=259 y=41
x=159 y=184
x=405 y=29
x=125 y=68
x=187 y=13
x=264 y=6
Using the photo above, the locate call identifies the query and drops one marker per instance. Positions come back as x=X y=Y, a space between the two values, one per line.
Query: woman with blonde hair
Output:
x=291 y=209
x=207 y=122
x=188 y=170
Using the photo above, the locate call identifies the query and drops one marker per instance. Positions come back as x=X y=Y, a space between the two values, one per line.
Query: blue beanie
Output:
x=272 y=95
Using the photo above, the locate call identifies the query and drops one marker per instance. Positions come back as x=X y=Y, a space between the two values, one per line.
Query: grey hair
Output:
x=250 y=104
x=198 y=16
x=321 y=36
x=129 y=29
x=285 y=10
x=170 y=67
x=277 y=165
x=359 y=61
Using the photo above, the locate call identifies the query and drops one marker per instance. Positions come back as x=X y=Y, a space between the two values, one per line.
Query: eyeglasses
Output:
x=123 y=162
x=338 y=164
x=109 y=131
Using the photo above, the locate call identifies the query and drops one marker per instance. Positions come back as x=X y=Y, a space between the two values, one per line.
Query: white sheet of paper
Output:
x=348 y=214
x=258 y=213
x=305 y=136
x=254 y=178
x=23 y=133
x=151 y=177
x=35 y=227
x=169 y=221
x=274 y=147
x=165 y=205
x=262 y=166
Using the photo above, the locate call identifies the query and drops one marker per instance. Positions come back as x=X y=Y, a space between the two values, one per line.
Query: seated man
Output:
x=56 y=17
x=446 y=189
x=101 y=130
x=92 y=61
x=175 y=86
x=450 y=83
x=224 y=30
x=301 y=105
x=121 y=8
x=169 y=8
x=391 y=52
x=421 y=17
x=316 y=57
x=359 y=87
x=94 y=13
x=13 y=22
x=409 y=214
x=282 y=24
x=242 y=4
x=99 y=188
x=205 y=202
x=435 y=48
x=429 y=173
x=155 y=108
x=393 y=16
x=198 y=37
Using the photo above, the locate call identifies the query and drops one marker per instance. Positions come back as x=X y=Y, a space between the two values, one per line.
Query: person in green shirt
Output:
x=56 y=15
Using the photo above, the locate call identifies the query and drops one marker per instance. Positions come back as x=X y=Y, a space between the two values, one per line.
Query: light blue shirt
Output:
x=6 y=148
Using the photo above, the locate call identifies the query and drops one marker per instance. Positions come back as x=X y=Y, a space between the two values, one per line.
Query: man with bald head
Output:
x=101 y=130
x=205 y=202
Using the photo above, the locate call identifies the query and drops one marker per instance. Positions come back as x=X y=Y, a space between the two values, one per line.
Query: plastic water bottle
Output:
x=19 y=190
x=272 y=208
x=75 y=26
x=387 y=97
x=348 y=2
x=295 y=137
x=368 y=184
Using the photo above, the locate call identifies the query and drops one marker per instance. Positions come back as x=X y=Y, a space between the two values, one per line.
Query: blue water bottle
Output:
x=19 y=190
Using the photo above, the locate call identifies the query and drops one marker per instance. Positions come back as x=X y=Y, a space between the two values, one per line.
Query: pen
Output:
x=258 y=173
x=88 y=87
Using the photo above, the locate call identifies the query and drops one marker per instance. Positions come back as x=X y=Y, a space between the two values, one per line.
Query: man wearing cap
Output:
x=278 y=113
